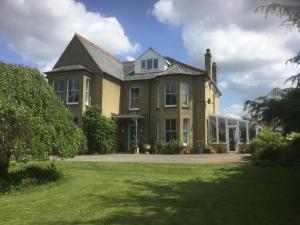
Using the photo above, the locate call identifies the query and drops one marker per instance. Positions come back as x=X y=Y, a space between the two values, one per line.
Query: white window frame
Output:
x=73 y=103
x=63 y=96
x=135 y=98
x=145 y=66
x=88 y=91
x=150 y=60
x=157 y=130
x=186 y=131
x=185 y=94
x=157 y=96
x=175 y=93
x=170 y=131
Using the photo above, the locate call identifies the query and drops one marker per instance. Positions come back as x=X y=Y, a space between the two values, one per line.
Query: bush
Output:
x=208 y=150
x=158 y=147
x=100 y=131
x=173 y=147
x=268 y=145
x=29 y=176
x=198 y=147
x=244 y=148
x=34 y=122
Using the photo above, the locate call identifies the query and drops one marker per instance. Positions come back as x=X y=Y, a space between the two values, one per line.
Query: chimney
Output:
x=208 y=66
x=214 y=72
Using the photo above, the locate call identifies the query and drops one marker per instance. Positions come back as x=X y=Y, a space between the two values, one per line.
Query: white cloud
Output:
x=233 y=111
x=130 y=58
x=40 y=30
x=249 y=50
x=166 y=13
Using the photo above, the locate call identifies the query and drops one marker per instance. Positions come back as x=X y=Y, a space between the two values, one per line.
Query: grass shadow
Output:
x=29 y=176
x=243 y=195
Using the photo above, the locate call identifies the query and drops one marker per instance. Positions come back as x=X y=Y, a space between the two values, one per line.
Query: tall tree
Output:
x=281 y=107
x=34 y=123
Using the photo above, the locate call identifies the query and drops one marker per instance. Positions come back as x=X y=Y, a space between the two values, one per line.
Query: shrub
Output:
x=208 y=150
x=28 y=176
x=100 y=131
x=219 y=148
x=268 y=145
x=173 y=147
x=158 y=147
x=244 y=148
x=198 y=147
x=34 y=122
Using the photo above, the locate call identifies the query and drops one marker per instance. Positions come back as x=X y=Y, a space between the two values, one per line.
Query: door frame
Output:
x=235 y=135
x=131 y=126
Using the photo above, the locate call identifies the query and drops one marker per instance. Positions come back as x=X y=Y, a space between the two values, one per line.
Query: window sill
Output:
x=170 y=106
x=134 y=109
x=72 y=103
x=185 y=106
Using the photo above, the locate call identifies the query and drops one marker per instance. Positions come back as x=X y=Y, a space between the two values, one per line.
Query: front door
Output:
x=131 y=136
x=232 y=145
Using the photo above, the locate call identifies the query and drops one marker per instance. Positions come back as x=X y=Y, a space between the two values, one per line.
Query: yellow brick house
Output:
x=152 y=98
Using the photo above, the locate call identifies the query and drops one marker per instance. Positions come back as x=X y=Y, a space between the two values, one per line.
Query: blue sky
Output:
x=250 y=51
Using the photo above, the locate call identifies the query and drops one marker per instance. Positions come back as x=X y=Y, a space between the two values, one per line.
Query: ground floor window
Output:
x=185 y=131
x=170 y=129
x=157 y=129
x=212 y=129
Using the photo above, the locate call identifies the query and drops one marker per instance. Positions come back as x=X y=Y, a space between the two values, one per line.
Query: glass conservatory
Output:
x=229 y=133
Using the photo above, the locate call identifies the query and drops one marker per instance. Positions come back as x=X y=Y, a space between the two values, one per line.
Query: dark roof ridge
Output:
x=99 y=48
x=184 y=64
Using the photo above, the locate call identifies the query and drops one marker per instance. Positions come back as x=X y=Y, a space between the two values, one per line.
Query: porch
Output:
x=132 y=132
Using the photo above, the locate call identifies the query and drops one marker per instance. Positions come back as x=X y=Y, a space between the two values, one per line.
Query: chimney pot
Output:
x=214 y=72
x=208 y=62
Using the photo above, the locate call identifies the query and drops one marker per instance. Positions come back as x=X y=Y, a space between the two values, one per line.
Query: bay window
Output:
x=185 y=94
x=73 y=91
x=170 y=93
x=170 y=129
x=59 y=88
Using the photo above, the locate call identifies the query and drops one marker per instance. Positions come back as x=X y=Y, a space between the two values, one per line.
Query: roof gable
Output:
x=81 y=51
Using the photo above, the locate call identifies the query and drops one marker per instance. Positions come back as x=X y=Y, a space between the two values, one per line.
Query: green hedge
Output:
x=100 y=131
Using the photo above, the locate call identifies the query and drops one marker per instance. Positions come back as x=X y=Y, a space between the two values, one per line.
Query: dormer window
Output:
x=149 y=64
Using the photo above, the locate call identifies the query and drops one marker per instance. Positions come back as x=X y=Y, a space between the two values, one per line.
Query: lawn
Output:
x=122 y=193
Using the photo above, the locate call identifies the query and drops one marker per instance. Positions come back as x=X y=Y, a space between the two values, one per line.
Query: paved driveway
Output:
x=226 y=158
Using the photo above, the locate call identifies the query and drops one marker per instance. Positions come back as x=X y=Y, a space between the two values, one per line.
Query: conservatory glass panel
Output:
x=222 y=129
x=243 y=131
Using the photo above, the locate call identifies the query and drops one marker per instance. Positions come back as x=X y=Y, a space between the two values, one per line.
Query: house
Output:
x=154 y=97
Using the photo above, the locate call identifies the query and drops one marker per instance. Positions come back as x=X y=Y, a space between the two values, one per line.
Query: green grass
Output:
x=121 y=193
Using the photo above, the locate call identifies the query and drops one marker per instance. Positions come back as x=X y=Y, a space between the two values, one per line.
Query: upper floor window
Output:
x=134 y=98
x=149 y=64
x=185 y=94
x=170 y=93
x=170 y=129
x=88 y=91
x=73 y=91
x=59 y=88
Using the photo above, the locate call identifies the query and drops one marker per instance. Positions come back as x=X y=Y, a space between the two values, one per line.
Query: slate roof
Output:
x=70 y=68
x=107 y=62
x=124 y=71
